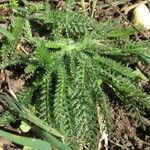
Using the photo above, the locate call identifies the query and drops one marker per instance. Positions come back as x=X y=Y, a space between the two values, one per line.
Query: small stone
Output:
x=142 y=16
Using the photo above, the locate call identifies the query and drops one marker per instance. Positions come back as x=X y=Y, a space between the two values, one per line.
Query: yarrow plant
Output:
x=73 y=60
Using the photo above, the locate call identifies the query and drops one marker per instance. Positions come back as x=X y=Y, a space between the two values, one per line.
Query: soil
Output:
x=126 y=132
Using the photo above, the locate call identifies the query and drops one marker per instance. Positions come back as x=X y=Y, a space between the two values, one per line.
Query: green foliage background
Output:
x=74 y=57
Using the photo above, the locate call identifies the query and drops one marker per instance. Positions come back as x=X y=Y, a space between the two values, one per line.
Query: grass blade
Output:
x=145 y=58
x=54 y=141
x=26 y=114
x=25 y=141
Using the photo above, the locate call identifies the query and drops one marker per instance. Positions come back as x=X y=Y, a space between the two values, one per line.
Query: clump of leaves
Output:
x=69 y=69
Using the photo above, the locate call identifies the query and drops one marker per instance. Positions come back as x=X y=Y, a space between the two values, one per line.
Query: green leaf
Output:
x=28 y=148
x=26 y=114
x=30 y=68
x=138 y=73
x=54 y=141
x=25 y=141
x=125 y=32
x=24 y=127
x=6 y=33
x=145 y=58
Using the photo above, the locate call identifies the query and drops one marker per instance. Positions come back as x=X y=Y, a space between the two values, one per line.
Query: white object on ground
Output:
x=142 y=16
